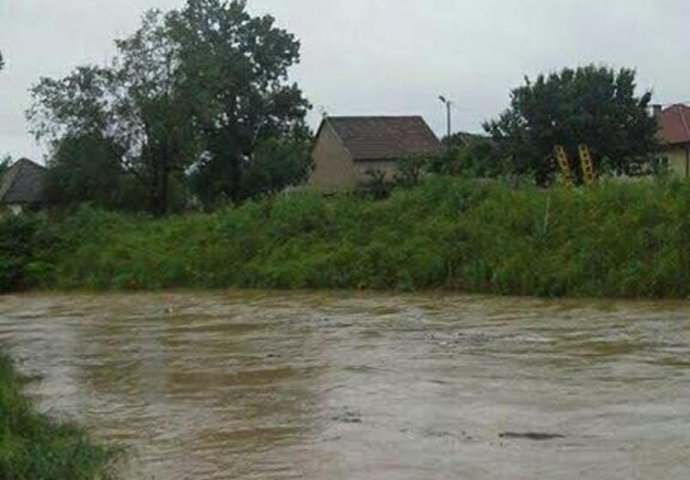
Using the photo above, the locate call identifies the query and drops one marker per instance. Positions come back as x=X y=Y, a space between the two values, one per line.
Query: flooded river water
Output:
x=348 y=386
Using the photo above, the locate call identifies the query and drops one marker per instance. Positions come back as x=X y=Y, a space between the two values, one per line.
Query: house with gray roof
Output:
x=348 y=149
x=22 y=187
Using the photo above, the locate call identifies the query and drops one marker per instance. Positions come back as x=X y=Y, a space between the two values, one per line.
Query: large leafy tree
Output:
x=236 y=69
x=194 y=90
x=136 y=105
x=595 y=106
x=154 y=112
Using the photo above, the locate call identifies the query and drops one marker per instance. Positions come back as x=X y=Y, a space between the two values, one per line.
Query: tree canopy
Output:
x=595 y=106
x=5 y=160
x=468 y=154
x=87 y=169
x=193 y=92
x=236 y=70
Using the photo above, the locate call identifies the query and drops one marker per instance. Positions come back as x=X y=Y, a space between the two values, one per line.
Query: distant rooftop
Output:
x=23 y=183
x=385 y=138
x=674 y=123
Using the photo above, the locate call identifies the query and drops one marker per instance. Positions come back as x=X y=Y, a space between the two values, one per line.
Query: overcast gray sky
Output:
x=377 y=56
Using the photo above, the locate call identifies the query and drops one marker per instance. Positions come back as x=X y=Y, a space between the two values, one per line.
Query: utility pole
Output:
x=448 y=105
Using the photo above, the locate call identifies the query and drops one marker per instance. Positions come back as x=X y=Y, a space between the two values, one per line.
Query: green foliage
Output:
x=33 y=446
x=133 y=107
x=236 y=70
x=26 y=252
x=469 y=155
x=591 y=105
x=410 y=170
x=456 y=234
x=377 y=184
x=87 y=168
x=277 y=164
x=5 y=163
x=203 y=89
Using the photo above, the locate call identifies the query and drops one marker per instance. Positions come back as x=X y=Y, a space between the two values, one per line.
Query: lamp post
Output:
x=448 y=105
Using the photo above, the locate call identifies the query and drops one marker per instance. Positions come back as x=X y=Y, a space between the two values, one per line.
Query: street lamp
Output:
x=448 y=105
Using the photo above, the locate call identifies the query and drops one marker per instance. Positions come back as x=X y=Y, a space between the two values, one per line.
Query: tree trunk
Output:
x=159 y=175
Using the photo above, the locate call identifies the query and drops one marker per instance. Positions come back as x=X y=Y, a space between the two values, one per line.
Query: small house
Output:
x=674 y=134
x=349 y=150
x=22 y=186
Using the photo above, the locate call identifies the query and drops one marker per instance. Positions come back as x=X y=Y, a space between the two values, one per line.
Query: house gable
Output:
x=674 y=135
x=23 y=184
x=333 y=168
x=348 y=149
x=674 y=125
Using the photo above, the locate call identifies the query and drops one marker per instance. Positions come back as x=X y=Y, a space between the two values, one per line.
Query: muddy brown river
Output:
x=358 y=386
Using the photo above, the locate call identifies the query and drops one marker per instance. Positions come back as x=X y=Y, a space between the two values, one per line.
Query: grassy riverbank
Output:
x=33 y=446
x=613 y=240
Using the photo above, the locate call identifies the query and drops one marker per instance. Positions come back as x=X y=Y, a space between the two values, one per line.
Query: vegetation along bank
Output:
x=616 y=239
x=33 y=446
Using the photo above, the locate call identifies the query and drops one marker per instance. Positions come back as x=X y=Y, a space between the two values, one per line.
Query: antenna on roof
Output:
x=323 y=111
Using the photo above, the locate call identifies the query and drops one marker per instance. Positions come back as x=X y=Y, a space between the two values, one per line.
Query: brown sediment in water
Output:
x=316 y=385
x=538 y=437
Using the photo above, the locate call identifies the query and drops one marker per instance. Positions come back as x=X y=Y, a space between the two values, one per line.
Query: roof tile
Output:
x=23 y=183
x=674 y=124
x=384 y=138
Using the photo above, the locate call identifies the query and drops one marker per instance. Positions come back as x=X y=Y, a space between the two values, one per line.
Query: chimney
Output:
x=656 y=110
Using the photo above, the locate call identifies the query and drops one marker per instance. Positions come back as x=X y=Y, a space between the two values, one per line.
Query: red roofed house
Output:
x=674 y=132
x=347 y=149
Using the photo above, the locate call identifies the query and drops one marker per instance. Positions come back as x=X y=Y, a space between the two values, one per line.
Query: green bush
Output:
x=33 y=446
x=616 y=239
x=26 y=253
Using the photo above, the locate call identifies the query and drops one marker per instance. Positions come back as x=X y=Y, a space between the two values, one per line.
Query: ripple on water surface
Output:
x=271 y=386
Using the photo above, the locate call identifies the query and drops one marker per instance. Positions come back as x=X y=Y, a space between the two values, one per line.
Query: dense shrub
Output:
x=33 y=446
x=26 y=253
x=615 y=239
